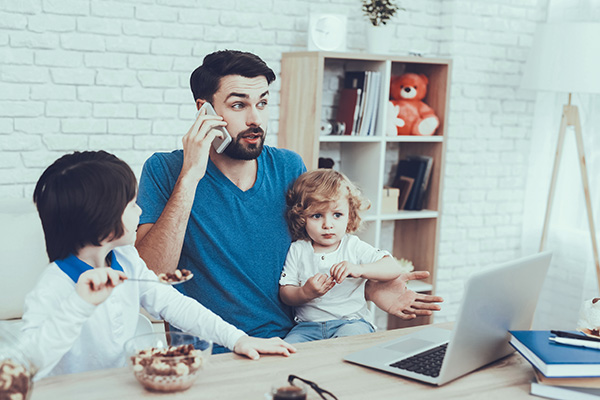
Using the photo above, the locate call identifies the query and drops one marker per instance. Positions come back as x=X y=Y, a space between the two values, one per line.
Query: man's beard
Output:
x=239 y=151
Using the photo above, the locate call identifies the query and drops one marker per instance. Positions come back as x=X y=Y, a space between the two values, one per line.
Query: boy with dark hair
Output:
x=78 y=316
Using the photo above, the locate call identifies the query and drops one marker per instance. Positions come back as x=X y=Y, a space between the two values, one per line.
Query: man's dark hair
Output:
x=205 y=79
x=81 y=198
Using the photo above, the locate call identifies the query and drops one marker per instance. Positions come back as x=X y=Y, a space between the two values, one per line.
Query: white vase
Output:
x=379 y=38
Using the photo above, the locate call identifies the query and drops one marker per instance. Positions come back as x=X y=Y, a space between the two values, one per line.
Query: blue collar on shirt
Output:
x=73 y=266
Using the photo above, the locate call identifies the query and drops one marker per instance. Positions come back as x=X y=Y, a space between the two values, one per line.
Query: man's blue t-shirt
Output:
x=236 y=242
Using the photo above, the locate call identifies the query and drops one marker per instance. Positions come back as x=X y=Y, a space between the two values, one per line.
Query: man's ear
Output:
x=199 y=103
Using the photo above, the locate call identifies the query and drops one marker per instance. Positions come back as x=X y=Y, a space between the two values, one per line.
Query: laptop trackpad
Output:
x=409 y=345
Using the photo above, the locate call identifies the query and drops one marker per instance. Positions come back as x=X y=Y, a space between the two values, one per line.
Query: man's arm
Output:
x=160 y=244
x=395 y=298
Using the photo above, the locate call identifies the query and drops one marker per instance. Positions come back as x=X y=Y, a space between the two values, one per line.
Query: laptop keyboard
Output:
x=426 y=363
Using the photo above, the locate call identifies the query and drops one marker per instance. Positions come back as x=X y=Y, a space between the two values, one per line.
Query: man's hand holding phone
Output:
x=197 y=141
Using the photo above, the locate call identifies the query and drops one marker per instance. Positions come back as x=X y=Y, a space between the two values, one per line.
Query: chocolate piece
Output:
x=180 y=275
x=15 y=380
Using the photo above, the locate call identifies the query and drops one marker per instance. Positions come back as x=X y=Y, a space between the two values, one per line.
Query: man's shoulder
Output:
x=175 y=156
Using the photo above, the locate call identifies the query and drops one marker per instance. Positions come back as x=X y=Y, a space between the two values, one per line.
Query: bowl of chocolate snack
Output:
x=167 y=362
x=16 y=369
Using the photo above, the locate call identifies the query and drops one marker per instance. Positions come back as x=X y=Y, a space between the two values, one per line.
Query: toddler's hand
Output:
x=317 y=286
x=95 y=285
x=341 y=270
x=251 y=347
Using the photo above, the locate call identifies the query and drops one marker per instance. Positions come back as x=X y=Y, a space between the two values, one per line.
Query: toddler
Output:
x=83 y=309
x=327 y=267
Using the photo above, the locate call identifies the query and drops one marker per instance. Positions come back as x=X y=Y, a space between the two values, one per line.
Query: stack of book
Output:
x=566 y=364
x=412 y=178
x=359 y=100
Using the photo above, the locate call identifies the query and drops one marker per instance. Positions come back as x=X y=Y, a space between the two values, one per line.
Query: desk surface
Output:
x=232 y=377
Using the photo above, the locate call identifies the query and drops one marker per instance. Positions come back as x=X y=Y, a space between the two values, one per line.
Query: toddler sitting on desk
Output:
x=83 y=309
x=327 y=267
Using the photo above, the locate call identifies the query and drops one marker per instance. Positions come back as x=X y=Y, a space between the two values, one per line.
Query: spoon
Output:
x=172 y=283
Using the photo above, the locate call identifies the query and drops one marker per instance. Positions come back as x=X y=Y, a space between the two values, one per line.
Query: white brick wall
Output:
x=82 y=74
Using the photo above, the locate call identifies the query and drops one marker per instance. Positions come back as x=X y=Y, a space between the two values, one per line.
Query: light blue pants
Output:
x=309 y=331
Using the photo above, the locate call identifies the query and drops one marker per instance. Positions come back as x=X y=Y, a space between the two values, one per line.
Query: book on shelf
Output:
x=564 y=392
x=553 y=359
x=367 y=85
x=419 y=169
x=348 y=108
x=404 y=183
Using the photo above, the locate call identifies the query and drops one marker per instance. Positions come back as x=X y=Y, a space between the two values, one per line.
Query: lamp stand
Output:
x=570 y=117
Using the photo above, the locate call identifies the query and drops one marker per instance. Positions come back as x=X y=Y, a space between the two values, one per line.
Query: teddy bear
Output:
x=410 y=115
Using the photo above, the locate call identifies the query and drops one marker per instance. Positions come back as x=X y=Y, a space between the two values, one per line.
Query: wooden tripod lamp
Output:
x=565 y=58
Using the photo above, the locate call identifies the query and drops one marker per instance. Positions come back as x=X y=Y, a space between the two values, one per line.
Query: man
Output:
x=222 y=215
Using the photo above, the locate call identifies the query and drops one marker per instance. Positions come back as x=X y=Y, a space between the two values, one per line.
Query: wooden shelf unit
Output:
x=310 y=84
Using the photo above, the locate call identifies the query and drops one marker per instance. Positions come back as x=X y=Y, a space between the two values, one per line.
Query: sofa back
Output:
x=22 y=254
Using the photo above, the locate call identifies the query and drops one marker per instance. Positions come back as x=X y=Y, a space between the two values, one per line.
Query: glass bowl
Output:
x=167 y=362
x=16 y=368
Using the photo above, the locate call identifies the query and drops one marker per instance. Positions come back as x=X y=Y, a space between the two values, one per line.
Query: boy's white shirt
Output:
x=66 y=334
x=343 y=301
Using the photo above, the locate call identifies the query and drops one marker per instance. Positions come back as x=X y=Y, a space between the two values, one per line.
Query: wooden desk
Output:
x=233 y=377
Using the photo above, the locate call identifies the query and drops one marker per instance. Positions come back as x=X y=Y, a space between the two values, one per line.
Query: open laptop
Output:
x=496 y=300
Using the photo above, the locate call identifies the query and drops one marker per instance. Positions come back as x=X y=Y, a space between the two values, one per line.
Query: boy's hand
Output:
x=341 y=270
x=95 y=285
x=317 y=286
x=252 y=347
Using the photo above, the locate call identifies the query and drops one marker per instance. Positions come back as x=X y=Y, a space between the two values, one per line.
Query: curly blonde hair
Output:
x=313 y=191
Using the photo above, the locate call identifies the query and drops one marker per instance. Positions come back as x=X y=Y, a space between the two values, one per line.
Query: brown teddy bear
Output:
x=409 y=114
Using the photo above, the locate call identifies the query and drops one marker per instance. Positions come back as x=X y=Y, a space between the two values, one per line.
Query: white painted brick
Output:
x=6 y=125
x=40 y=158
x=52 y=92
x=22 y=7
x=50 y=23
x=218 y=34
x=83 y=126
x=178 y=96
x=152 y=111
x=117 y=78
x=256 y=36
x=140 y=28
x=281 y=22
x=37 y=125
x=12 y=21
x=34 y=40
x=72 y=76
x=14 y=91
x=114 y=9
x=146 y=95
x=127 y=44
x=129 y=127
x=58 y=58
x=105 y=60
x=68 y=7
x=119 y=110
x=291 y=38
x=3 y=40
x=156 y=13
x=157 y=79
x=10 y=160
x=83 y=42
x=59 y=142
x=188 y=32
x=200 y=17
x=171 y=47
x=20 y=142
x=24 y=74
x=11 y=108
x=150 y=62
x=172 y=127
x=68 y=109
x=111 y=142
x=104 y=26
x=154 y=142
x=99 y=94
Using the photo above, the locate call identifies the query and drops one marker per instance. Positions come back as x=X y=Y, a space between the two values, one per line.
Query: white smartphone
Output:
x=219 y=144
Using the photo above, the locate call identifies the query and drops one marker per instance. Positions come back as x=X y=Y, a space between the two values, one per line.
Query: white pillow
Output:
x=22 y=254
